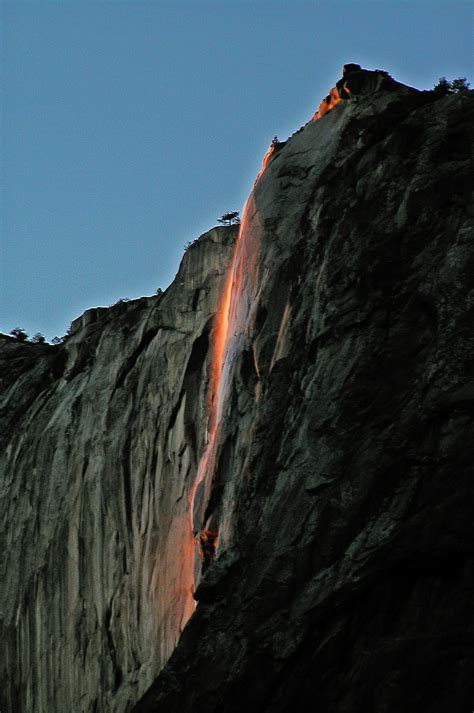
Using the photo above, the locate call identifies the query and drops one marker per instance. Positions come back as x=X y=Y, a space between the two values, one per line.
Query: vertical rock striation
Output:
x=100 y=438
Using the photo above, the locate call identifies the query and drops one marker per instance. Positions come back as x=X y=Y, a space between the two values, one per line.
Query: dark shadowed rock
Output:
x=340 y=500
x=346 y=460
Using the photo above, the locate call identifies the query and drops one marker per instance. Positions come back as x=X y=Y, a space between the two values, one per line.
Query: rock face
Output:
x=345 y=458
x=99 y=438
x=340 y=479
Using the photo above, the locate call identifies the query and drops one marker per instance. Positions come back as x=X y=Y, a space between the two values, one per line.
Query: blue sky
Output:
x=129 y=127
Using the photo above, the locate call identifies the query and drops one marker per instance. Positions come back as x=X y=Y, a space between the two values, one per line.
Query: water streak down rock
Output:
x=341 y=473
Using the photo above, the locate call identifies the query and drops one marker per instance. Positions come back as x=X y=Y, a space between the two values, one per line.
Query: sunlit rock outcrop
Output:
x=355 y=84
x=303 y=459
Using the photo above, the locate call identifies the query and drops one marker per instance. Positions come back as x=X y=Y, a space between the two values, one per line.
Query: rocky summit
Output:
x=254 y=491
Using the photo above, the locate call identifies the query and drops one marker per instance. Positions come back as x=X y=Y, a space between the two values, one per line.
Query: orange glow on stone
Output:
x=208 y=542
x=266 y=160
x=219 y=340
x=227 y=338
x=327 y=104
x=193 y=537
x=194 y=541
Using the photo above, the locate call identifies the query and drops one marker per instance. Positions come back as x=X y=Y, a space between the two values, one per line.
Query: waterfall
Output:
x=229 y=337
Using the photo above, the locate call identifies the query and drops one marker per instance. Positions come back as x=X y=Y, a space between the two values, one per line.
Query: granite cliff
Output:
x=288 y=442
x=99 y=445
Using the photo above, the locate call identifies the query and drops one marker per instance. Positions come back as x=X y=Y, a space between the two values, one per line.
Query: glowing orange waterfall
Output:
x=193 y=537
x=229 y=337
x=227 y=341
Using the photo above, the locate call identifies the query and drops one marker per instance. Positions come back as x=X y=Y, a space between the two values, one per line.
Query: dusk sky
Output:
x=129 y=127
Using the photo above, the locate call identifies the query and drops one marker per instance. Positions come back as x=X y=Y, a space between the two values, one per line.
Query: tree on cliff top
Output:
x=38 y=338
x=230 y=218
x=454 y=87
x=460 y=85
x=19 y=334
